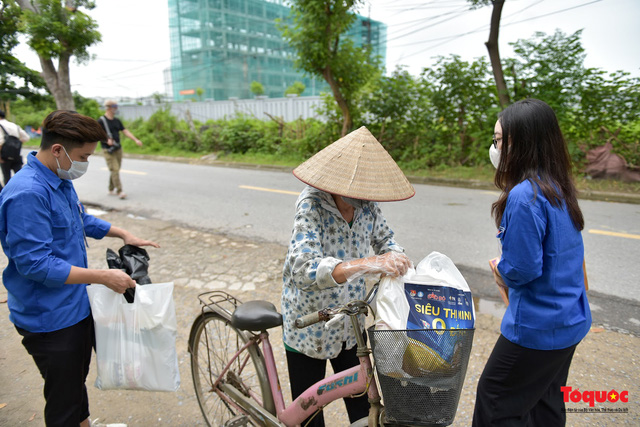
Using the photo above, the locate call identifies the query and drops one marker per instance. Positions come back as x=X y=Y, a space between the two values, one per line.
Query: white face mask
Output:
x=494 y=155
x=356 y=203
x=76 y=170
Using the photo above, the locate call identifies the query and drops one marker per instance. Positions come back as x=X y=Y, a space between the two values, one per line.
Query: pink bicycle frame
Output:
x=346 y=383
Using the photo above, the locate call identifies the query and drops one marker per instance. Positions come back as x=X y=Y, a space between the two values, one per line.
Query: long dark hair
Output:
x=534 y=149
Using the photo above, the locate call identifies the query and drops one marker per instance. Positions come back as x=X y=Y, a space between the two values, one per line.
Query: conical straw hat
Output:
x=356 y=166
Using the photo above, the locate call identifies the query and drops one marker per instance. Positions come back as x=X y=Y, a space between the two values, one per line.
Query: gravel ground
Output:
x=197 y=261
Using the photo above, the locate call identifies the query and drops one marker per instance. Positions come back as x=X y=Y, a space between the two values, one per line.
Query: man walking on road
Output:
x=112 y=148
x=10 y=129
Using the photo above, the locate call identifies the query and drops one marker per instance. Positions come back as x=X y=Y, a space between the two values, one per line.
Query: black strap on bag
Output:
x=116 y=145
x=11 y=146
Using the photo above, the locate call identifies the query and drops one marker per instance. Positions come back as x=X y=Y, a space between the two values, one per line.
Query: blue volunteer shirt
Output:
x=42 y=231
x=541 y=263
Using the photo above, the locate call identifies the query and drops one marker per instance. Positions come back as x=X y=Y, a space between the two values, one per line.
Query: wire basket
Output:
x=421 y=373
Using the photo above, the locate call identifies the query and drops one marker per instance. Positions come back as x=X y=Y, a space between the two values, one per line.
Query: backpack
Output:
x=11 y=147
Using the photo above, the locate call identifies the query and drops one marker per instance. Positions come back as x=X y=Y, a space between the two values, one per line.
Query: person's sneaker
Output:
x=112 y=192
x=122 y=195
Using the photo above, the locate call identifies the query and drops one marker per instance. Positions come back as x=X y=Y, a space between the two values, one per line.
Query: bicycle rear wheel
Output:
x=213 y=342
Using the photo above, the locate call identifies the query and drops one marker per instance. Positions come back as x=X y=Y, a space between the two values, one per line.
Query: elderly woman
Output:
x=337 y=225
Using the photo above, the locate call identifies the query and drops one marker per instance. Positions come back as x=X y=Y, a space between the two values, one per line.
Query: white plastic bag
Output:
x=392 y=310
x=135 y=343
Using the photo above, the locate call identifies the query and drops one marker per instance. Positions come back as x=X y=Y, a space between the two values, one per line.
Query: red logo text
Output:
x=591 y=397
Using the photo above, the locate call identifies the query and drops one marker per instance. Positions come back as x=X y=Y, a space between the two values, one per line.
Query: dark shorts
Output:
x=63 y=358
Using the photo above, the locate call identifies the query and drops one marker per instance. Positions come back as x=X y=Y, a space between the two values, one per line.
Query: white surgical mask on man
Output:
x=76 y=170
x=494 y=155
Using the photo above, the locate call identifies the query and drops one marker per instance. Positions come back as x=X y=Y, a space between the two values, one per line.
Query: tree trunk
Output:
x=494 y=53
x=463 y=138
x=58 y=81
x=346 y=116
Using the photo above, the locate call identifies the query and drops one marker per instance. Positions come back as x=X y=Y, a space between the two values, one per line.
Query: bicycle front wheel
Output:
x=213 y=343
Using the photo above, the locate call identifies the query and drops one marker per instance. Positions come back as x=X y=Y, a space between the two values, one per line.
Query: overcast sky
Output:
x=134 y=50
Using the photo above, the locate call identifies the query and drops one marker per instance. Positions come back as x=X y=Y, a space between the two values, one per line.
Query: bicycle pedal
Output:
x=237 y=421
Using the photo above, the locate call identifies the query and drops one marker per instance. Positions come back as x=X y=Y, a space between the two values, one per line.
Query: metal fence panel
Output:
x=287 y=109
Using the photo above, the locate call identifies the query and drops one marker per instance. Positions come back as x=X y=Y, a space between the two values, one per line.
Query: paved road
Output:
x=455 y=221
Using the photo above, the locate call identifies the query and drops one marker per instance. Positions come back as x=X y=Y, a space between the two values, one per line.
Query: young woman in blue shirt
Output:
x=539 y=226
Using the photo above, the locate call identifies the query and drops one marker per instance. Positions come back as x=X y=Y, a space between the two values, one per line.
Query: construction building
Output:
x=219 y=47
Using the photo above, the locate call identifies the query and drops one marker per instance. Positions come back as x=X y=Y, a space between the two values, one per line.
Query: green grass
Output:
x=607 y=185
x=262 y=159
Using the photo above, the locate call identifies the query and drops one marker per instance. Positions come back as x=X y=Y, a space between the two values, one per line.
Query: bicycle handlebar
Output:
x=310 y=319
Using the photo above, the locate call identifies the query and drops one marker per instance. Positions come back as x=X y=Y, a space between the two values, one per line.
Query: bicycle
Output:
x=236 y=381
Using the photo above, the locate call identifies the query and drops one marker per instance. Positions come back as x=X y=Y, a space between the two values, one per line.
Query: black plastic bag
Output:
x=135 y=262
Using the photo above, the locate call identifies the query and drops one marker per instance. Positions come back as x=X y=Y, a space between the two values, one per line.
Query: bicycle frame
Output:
x=353 y=381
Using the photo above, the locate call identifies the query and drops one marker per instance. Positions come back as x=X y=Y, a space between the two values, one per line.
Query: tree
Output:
x=296 y=88
x=466 y=106
x=256 y=88
x=56 y=29
x=15 y=77
x=316 y=34
x=494 y=51
x=199 y=93
x=550 y=68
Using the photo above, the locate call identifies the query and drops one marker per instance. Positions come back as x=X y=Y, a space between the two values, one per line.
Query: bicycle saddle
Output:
x=256 y=316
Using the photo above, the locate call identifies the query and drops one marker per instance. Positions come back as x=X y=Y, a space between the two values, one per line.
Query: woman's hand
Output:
x=391 y=264
x=498 y=277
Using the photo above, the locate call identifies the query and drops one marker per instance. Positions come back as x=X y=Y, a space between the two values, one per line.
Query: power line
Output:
x=501 y=26
x=478 y=29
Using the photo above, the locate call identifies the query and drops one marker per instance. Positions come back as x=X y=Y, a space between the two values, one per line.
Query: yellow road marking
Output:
x=128 y=171
x=614 y=234
x=271 y=190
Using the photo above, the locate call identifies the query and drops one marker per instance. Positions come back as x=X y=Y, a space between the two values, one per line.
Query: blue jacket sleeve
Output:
x=524 y=231
x=94 y=227
x=29 y=239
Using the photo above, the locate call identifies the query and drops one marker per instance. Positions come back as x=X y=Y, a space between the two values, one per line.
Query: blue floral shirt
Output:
x=321 y=240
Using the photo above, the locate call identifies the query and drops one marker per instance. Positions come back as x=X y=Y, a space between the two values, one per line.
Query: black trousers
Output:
x=304 y=371
x=521 y=386
x=10 y=165
x=63 y=358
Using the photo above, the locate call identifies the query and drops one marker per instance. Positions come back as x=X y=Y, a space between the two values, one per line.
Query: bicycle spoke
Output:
x=214 y=343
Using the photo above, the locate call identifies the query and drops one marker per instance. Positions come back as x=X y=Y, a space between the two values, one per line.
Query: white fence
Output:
x=288 y=109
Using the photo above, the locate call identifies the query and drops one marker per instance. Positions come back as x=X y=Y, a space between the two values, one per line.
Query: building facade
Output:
x=219 y=47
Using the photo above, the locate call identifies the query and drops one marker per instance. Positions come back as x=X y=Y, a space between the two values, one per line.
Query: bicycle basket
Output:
x=420 y=383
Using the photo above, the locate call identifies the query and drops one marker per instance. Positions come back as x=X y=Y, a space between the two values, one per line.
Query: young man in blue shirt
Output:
x=43 y=229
